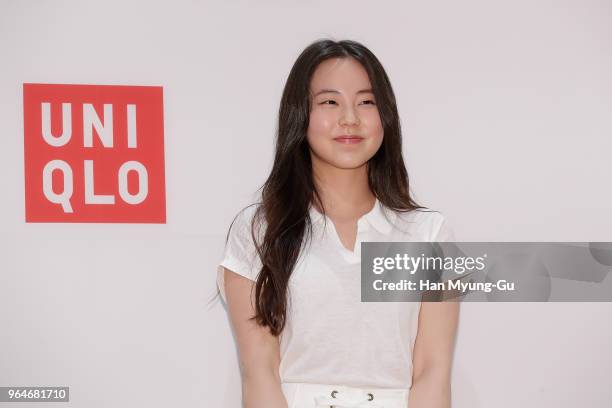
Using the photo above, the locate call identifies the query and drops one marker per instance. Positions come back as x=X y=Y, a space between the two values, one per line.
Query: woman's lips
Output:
x=348 y=139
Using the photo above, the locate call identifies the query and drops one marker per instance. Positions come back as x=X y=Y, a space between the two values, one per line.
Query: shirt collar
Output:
x=379 y=217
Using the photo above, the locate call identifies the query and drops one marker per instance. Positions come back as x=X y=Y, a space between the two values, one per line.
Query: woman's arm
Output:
x=258 y=349
x=433 y=355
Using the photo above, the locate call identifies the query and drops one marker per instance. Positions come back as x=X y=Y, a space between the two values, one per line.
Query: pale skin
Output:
x=341 y=104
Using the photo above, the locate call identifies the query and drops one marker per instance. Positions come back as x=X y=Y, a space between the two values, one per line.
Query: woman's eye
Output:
x=332 y=102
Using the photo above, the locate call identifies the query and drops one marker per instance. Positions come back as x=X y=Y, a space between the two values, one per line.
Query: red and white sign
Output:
x=94 y=153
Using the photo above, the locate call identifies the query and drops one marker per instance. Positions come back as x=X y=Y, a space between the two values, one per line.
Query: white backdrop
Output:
x=506 y=112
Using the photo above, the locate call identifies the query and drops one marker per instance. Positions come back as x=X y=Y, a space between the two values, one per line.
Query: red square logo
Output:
x=94 y=153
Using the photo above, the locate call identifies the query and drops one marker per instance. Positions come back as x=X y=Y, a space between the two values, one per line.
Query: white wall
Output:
x=505 y=109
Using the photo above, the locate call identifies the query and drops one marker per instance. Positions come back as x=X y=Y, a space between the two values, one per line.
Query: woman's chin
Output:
x=349 y=163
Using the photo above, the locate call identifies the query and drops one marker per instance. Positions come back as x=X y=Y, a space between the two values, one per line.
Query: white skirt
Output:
x=302 y=395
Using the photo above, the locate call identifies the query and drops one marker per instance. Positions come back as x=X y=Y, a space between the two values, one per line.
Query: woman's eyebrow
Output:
x=338 y=92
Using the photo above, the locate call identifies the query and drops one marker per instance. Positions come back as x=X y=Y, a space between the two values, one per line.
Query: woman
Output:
x=291 y=269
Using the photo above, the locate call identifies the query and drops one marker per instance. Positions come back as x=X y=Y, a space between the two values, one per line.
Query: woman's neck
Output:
x=345 y=193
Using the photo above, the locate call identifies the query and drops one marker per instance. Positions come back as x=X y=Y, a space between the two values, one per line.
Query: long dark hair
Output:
x=289 y=190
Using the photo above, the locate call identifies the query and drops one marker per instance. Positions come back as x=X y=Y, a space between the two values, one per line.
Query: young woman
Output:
x=290 y=274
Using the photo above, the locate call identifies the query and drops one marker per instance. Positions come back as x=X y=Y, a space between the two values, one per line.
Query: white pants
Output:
x=302 y=395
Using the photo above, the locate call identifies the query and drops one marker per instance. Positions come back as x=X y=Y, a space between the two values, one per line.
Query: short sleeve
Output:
x=239 y=255
x=446 y=234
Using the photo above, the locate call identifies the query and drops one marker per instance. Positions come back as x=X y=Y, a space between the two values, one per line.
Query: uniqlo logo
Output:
x=94 y=153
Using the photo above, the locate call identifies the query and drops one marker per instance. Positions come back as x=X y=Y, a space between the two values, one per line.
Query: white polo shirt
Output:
x=330 y=336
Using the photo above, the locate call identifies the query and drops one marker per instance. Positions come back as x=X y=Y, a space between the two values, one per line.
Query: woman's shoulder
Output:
x=245 y=215
x=245 y=219
x=240 y=253
x=423 y=223
x=420 y=215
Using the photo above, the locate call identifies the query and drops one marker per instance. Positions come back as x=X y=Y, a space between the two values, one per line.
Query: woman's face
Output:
x=345 y=129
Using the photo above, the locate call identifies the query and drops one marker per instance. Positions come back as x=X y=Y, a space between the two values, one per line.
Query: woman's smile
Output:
x=348 y=139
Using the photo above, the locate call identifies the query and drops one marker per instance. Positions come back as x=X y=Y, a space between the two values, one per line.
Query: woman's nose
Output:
x=349 y=117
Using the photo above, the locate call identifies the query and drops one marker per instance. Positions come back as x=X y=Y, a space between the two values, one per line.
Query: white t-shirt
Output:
x=330 y=336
